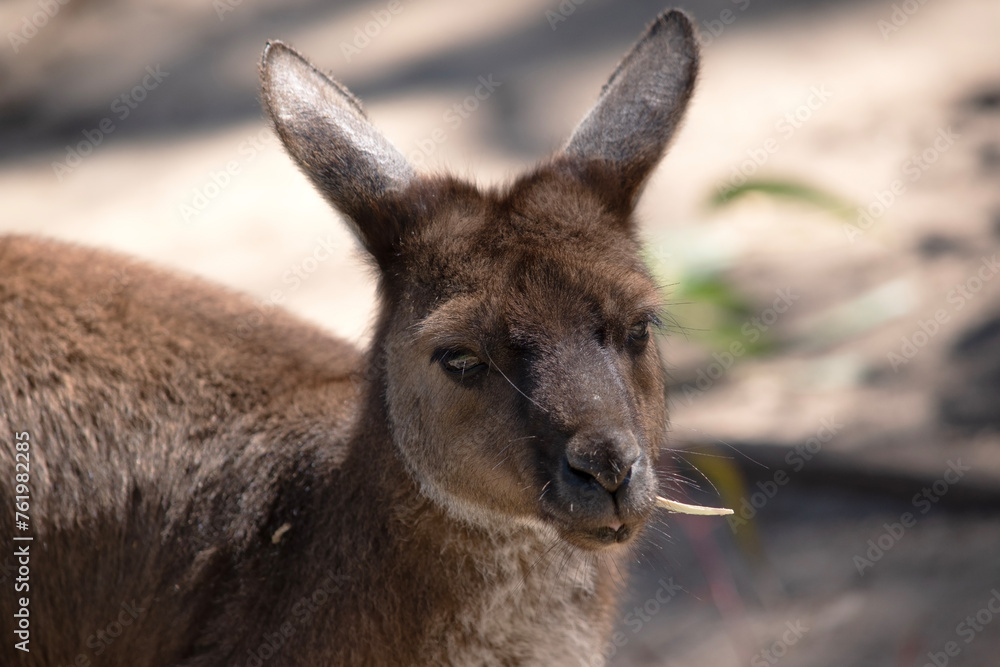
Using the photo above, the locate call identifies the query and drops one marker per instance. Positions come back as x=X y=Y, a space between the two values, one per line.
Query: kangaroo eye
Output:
x=639 y=332
x=460 y=362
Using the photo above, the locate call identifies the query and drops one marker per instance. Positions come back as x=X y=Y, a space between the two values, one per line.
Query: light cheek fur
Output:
x=462 y=444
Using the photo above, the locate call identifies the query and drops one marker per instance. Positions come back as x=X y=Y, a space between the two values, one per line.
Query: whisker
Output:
x=527 y=437
x=505 y=447
x=504 y=376
x=534 y=563
x=500 y=462
x=720 y=441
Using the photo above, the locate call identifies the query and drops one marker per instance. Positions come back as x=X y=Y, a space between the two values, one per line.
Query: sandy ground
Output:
x=884 y=328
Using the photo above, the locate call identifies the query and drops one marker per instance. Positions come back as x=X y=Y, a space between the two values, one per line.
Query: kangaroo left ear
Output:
x=324 y=129
x=626 y=133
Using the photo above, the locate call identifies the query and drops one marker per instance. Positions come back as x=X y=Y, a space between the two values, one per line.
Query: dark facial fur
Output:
x=563 y=415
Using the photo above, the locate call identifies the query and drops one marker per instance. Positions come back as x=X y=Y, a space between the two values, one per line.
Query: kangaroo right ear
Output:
x=626 y=133
x=325 y=130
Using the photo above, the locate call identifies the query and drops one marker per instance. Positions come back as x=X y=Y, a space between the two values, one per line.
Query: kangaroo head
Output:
x=513 y=350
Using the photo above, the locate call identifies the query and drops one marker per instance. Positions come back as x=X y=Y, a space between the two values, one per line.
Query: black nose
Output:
x=608 y=460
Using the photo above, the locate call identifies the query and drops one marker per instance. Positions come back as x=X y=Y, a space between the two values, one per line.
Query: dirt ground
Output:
x=860 y=446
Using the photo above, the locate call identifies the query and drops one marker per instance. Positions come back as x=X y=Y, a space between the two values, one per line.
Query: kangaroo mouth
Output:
x=593 y=538
x=616 y=533
x=593 y=528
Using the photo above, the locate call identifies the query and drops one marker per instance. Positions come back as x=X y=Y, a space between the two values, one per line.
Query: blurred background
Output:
x=826 y=227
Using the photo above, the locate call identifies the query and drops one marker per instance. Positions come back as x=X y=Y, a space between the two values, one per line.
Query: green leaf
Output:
x=713 y=312
x=789 y=190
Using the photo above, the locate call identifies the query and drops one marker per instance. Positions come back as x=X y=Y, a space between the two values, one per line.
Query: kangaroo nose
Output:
x=608 y=460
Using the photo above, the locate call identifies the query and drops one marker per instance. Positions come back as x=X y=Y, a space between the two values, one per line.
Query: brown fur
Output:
x=226 y=488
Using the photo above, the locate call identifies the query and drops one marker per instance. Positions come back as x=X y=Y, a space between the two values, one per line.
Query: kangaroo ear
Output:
x=325 y=130
x=626 y=133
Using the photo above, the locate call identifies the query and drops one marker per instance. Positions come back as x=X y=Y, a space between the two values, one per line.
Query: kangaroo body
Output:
x=212 y=484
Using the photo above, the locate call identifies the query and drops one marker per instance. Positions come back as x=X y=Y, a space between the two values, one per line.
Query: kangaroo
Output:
x=197 y=492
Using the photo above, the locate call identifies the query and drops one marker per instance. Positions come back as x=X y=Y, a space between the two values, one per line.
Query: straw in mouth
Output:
x=684 y=508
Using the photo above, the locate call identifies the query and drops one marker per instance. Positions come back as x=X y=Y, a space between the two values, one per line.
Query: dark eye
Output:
x=639 y=332
x=459 y=362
